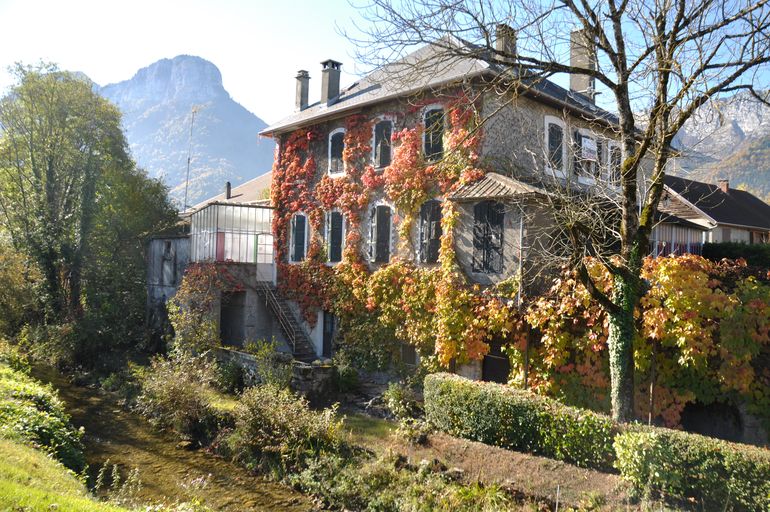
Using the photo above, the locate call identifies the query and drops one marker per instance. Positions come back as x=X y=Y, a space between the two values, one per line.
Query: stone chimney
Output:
x=582 y=53
x=303 y=86
x=505 y=40
x=330 y=81
x=228 y=190
x=724 y=185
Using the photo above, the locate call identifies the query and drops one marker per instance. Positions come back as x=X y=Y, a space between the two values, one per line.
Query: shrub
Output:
x=175 y=394
x=271 y=365
x=14 y=358
x=230 y=376
x=519 y=420
x=401 y=400
x=345 y=374
x=757 y=255
x=31 y=412
x=276 y=430
x=681 y=467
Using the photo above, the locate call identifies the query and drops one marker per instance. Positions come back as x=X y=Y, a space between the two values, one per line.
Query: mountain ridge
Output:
x=157 y=103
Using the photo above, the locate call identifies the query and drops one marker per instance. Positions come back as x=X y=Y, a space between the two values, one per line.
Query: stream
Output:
x=168 y=474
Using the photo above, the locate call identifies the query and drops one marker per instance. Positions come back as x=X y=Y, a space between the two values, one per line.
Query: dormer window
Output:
x=554 y=146
x=298 y=238
x=336 y=148
x=383 y=132
x=433 y=138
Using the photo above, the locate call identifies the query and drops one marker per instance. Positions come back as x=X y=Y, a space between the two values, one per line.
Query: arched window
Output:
x=335 y=236
x=488 y=222
x=433 y=139
x=336 y=148
x=430 y=231
x=298 y=238
x=383 y=132
x=379 y=233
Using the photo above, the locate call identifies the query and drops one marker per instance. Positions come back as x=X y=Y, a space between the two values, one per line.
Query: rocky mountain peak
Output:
x=183 y=78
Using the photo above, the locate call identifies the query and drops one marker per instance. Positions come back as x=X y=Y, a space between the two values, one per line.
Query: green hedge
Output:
x=680 y=466
x=518 y=420
x=660 y=463
x=757 y=255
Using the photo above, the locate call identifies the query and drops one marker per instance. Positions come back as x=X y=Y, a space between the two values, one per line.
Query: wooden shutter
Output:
x=382 y=249
x=382 y=136
x=434 y=134
x=373 y=234
x=298 y=238
x=430 y=231
x=555 y=146
x=479 y=235
x=334 y=220
x=335 y=153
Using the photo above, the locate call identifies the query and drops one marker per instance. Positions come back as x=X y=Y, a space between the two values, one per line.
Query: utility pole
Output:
x=194 y=110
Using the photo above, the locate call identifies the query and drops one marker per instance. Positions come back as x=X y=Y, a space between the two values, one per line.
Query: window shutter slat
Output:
x=335 y=237
x=298 y=237
x=383 y=235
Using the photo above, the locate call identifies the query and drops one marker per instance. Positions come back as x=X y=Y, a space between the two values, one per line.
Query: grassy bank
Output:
x=32 y=480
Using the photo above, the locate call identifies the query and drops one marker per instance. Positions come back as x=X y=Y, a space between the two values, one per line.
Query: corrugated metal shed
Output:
x=495 y=186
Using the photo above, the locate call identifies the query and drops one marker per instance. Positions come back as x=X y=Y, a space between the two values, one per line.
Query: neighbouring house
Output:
x=712 y=213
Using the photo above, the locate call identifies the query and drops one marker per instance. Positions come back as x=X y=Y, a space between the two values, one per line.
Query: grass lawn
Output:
x=31 y=480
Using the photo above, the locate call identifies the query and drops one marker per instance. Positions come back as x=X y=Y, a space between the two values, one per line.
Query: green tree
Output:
x=73 y=200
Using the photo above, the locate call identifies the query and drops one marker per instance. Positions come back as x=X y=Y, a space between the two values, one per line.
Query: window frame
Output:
x=611 y=144
x=583 y=177
x=549 y=120
x=292 y=235
x=482 y=269
x=329 y=154
x=431 y=108
x=420 y=256
x=372 y=240
x=328 y=238
x=378 y=120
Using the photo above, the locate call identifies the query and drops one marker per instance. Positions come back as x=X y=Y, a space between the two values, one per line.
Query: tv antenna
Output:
x=193 y=111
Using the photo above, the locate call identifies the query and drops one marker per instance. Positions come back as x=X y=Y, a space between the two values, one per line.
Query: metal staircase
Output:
x=301 y=346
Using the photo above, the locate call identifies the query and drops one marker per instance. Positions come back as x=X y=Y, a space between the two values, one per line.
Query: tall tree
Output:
x=657 y=61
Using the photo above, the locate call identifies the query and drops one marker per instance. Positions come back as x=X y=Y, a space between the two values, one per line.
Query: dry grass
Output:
x=526 y=475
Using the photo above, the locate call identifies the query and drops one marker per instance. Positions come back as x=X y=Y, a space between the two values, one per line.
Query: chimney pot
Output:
x=582 y=54
x=330 y=81
x=724 y=185
x=228 y=190
x=303 y=86
x=505 y=41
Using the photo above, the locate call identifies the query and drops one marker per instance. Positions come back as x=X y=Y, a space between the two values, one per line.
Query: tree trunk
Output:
x=622 y=330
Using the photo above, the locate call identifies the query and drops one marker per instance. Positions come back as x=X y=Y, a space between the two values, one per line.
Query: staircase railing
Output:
x=272 y=301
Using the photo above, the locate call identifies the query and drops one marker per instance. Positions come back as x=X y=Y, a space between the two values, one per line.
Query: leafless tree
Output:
x=655 y=62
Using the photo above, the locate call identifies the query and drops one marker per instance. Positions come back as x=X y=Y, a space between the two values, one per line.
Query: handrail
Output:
x=272 y=301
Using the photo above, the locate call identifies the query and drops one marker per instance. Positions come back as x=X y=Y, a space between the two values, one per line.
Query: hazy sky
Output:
x=258 y=45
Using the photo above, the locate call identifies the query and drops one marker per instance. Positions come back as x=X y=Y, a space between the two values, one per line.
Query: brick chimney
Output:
x=228 y=190
x=582 y=53
x=724 y=185
x=505 y=40
x=330 y=81
x=303 y=86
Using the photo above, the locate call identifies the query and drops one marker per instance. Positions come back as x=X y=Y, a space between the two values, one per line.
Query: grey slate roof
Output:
x=427 y=68
x=736 y=207
x=250 y=192
x=495 y=186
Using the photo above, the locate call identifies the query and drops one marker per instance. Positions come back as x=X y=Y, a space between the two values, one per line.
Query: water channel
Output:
x=168 y=474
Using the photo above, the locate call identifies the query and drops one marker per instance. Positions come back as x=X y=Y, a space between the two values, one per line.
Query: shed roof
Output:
x=250 y=192
x=495 y=186
x=734 y=207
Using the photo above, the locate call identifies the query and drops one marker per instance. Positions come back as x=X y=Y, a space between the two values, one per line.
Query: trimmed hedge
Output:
x=757 y=255
x=520 y=420
x=680 y=466
x=677 y=466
